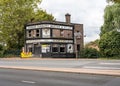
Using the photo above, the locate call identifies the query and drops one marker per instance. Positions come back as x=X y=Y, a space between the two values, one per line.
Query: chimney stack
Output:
x=67 y=16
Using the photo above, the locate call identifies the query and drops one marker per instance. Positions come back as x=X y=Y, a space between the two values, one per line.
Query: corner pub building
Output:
x=54 y=39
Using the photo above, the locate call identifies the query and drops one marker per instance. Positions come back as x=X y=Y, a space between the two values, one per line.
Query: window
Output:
x=29 y=34
x=33 y=33
x=45 y=48
x=55 y=48
x=38 y=33
x=62 y=48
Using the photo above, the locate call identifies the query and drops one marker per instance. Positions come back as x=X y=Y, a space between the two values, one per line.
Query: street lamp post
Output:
x=76 y=35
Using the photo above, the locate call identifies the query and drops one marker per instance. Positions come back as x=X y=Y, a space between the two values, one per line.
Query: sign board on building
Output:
x=46 y=33
x=49 y=26
x=70 y=48
x=49 y=40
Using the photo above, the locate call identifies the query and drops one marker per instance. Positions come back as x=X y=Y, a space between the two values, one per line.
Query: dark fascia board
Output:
x=76 y=24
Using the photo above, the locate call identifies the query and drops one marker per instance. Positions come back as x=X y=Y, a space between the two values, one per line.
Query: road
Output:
x=64 y=63
x=12 y=77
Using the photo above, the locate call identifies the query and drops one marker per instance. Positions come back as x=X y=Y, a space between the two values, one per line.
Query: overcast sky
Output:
x=87 y=12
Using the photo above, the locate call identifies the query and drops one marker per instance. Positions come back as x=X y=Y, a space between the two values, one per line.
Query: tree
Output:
x=1 y=47
x=116 y=1
x=93 y=44
x=109 y=43
x=13 y=15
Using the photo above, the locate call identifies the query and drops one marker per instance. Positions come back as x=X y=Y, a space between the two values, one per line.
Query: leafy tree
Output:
x=116 y=1
x=1 y=50
x=109 y=37
x=13 y=15
x=110 y=44
x=1 y=47
x=92 y=43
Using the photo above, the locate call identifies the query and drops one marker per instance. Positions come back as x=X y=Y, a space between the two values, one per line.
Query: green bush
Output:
x=1 y=51
x=1 y=54
x=11 y=53
x=90 y=53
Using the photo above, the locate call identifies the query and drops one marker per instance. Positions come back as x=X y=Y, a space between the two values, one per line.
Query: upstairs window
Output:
x=33 y=33
x=29 y=34
x=38 y=33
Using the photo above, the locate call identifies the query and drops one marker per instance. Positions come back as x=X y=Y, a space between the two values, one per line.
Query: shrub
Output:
x=1 y=51
x=11 y=53
x=90 y=53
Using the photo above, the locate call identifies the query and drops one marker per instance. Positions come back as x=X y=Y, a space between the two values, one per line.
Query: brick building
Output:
x=53 y=38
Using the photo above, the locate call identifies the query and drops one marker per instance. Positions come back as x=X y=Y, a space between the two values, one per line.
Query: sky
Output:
x=87 y=12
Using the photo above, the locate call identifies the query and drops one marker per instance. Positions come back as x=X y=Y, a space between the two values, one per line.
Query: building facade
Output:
x=53 y=38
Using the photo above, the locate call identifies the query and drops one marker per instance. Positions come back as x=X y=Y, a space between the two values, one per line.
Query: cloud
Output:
x=87 y=12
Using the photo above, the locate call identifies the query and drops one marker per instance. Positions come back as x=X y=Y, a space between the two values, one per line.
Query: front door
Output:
x=37 y=50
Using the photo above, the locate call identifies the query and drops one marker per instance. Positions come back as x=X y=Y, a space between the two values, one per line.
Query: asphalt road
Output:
x=12 y=77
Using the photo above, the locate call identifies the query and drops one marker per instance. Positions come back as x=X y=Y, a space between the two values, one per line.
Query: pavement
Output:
x=64 y=68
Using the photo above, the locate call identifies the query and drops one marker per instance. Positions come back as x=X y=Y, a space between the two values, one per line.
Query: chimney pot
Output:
x=67 y=16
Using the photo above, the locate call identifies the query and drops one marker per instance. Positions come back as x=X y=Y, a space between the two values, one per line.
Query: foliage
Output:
x=109 y=43
x=111 y=18
x=14 y=14
x=90 y=53
x=1 y=50
x=116 y=1
x=11 y=53
x=1 y=47
x=93 y=43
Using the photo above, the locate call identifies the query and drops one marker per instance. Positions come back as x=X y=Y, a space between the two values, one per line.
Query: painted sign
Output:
x=49 y=26
x=46 y=33
x=49 y=40
x=70 y=48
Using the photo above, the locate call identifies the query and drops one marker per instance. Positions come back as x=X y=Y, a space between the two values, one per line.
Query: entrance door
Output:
x=37 y=50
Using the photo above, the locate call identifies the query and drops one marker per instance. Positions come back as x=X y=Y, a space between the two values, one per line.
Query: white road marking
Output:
x=110 y=63
x=30 y=82
x=94 y=67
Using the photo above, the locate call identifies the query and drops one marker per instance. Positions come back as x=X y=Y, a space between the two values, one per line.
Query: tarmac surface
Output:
x=85 y=66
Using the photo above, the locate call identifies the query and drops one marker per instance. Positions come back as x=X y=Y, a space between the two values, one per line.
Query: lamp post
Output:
x=76 y=35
